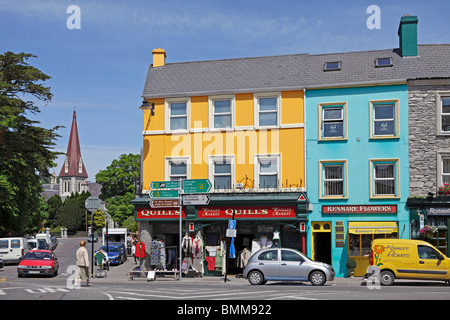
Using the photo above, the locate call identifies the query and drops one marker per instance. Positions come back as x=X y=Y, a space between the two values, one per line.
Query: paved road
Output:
x=117 y=286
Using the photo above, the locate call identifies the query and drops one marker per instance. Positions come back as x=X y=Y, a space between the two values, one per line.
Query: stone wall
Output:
x=424 y=143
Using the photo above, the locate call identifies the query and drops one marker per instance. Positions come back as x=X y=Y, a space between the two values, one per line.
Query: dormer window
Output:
x=332 y=66
x=383 y=62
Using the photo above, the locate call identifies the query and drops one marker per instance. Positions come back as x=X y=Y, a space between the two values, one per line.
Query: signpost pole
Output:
x=228 y=259
x=180 y=226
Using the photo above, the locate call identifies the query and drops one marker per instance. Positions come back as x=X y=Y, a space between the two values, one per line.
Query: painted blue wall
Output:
x=357 y=150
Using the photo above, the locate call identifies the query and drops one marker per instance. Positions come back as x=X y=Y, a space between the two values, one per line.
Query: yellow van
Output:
x=408 y=259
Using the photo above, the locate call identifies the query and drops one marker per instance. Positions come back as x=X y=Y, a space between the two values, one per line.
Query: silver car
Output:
x=282 y=264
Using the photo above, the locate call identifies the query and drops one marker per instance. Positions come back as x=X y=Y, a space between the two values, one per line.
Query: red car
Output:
x=38 y=262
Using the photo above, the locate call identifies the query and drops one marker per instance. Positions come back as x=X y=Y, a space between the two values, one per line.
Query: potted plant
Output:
x=351 y=265
x=445 y=190
x=427 y=232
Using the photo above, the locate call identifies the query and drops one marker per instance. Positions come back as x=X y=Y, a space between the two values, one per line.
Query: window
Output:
x=290 y=256
x=271 y=255
x=177 y=168
x=445 y=171
x=221 y=172
x=268 y=171
x=332 y=66
x=385 y=178
x=426 y=252
x=445 y=114
x=222 y=114
x=384 y=119
x=178 y=116
x=383 y=62
x=267 y=110
x=333 y=179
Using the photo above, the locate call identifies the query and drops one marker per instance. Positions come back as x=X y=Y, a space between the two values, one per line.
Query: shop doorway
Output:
x=321 y=240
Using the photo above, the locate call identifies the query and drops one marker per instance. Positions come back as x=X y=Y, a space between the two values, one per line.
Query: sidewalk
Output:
x=120 y=274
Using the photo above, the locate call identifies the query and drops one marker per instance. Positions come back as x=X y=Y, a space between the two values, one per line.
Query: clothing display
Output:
x=197 y=253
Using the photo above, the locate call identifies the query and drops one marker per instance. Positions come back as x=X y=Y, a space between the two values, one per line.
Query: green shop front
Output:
x=262 y=220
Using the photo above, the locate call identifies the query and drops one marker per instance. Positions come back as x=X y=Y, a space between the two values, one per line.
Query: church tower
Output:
x=73 y=175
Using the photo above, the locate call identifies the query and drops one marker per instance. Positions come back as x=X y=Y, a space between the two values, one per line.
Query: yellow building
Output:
x=238 y=123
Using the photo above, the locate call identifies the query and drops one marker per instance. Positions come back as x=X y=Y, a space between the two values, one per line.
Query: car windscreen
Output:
x=38 y=256
x=110 y=249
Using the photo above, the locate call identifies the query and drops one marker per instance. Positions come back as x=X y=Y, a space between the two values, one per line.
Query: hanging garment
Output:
x=187 y=246
x=198 y=247
x=245 y=257
x=232 y=249
x=211 y=263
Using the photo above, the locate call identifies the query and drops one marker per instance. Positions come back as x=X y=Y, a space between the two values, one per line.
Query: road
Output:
x=189 y=292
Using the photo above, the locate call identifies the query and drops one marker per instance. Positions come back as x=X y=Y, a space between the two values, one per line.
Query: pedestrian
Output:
x=140 y=253
x=82 y=256
x=133 y=250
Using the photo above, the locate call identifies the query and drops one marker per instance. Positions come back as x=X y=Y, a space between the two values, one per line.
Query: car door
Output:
x=269 y=264
x=432 y=264
x=292 y=266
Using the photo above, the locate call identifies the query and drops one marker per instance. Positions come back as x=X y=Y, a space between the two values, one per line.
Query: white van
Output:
x=47 y=239
x=13 y=249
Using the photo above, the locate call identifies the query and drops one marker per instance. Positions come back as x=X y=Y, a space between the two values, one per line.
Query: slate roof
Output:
x=290 y=72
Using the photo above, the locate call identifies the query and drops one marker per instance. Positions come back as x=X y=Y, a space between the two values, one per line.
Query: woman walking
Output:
x=82 y=256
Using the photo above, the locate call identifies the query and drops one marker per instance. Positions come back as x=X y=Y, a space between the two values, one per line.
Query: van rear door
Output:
x=432 y=264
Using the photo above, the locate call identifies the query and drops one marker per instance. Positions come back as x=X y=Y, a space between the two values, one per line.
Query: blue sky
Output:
x=101 y=68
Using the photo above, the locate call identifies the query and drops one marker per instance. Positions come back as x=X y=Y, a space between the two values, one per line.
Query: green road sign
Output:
x=197 y=186
x=164 y=194
x=165 y=185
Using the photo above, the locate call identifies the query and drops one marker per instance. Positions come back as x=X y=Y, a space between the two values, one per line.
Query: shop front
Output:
x=262 y=220
x=345 y=233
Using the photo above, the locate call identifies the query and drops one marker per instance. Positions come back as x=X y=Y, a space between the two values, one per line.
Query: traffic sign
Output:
x=165 y=185
x=167 y=203
x=193 y=200
x=197 y=186
x=164 y=194
x=92 y=203
x=231 y=224
x=231 y=233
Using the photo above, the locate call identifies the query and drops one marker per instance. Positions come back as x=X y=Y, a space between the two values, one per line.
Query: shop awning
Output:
x=376 y=227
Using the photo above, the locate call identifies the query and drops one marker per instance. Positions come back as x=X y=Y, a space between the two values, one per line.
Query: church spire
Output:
x=73 y=164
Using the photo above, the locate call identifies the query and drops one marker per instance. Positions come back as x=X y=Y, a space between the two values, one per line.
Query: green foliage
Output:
x=25 y=148
x=120 y=183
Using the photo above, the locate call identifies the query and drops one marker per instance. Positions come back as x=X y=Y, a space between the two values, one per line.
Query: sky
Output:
x=99 y=69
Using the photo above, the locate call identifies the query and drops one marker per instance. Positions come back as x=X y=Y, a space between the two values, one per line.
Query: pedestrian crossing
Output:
x=214 y=294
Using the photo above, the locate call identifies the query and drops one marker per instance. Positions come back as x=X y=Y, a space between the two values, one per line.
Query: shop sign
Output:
x=438 y=211
x=247 y=212
x=359 y=209
x=160 y=213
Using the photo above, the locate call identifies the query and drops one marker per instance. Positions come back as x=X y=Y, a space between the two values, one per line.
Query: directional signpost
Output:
x=165 y=185
x=171 y=203
x=92 y=204
x=196 y=200
x=197 y=186
x=164 y=194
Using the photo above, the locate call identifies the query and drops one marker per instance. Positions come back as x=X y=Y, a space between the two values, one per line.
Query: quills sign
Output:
x=156 y=213
x=246 y=212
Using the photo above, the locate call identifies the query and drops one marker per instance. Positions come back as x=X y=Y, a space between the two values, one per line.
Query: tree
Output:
x=120 y=183
x=25 y=148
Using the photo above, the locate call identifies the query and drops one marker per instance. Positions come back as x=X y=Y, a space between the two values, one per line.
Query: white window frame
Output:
x=223 y=158
x=441 y=156
x=170 y=160
x=167 y=106
x=396 y=178
x=439 y=114
x=329 y=163
x=256 y=98
x=333 y=105
x=396 y=119
x=212 y=115
x=267 y=157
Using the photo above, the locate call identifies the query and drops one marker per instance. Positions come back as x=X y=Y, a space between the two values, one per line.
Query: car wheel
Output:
x=386 y=278
x=256 y=278
x=317 y=278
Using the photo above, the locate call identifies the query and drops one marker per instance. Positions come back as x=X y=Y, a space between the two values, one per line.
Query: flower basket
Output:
x=444 y=191
x=427 y=232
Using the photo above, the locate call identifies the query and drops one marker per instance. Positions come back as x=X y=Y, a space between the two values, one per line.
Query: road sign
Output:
x=92 y=203
x=164 y=194
x=193 y=200
x=167 y=203
x=197 y=186
x=165 y=185
x=231 y=233
x=231 y=224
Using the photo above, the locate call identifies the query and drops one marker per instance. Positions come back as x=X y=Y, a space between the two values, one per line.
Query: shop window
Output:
x=359 y=245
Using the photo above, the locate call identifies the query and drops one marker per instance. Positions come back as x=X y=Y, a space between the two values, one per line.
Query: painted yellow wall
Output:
x=243 y=143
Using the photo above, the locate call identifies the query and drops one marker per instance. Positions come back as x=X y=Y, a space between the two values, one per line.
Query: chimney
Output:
x=407 y=32
x=159 y=57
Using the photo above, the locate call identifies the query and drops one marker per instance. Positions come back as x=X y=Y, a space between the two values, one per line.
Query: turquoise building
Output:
x=357 y=171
